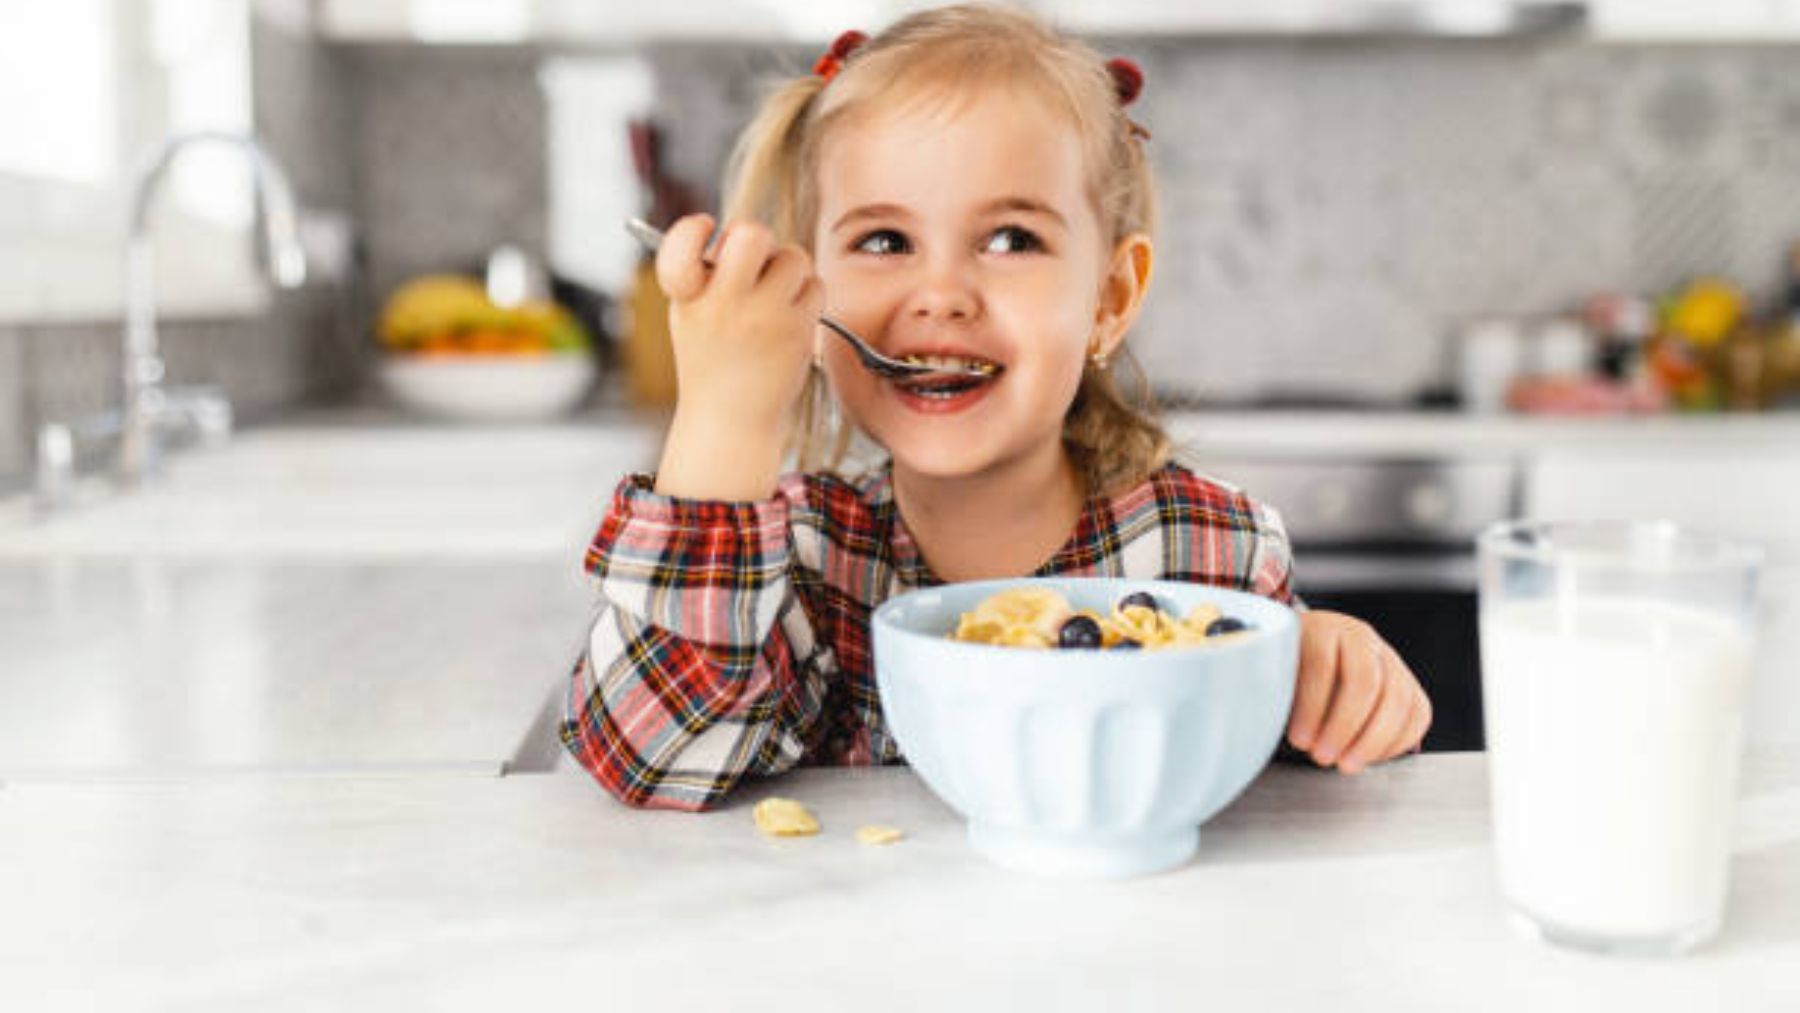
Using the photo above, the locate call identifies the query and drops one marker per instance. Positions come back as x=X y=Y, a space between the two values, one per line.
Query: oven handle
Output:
x=1342 y=571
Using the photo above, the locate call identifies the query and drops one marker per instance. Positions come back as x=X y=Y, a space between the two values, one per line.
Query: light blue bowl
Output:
x=1085 y=762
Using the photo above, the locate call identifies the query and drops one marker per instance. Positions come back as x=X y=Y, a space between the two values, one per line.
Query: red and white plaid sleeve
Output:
x=689 y=680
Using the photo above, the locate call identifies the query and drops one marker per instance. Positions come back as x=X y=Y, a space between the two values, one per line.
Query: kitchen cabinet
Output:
x=1453 y=18
x=583 y=22
x=610 y=25
x=1695 y=20
x=606 y=25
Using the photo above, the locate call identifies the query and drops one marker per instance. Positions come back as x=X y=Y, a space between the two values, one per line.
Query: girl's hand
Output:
x=743 y=326
x=1355 y=701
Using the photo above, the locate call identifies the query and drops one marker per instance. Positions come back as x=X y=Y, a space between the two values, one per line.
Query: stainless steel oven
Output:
x=1391 y=541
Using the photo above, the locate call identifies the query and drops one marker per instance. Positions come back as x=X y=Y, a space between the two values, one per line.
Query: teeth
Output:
x=952 y=362
x=940 y=388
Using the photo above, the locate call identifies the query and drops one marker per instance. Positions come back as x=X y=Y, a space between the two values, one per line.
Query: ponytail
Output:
x=766 y=174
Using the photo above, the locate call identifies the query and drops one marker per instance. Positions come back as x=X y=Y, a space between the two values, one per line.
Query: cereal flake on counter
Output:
x=784 y=817
x=876 y=835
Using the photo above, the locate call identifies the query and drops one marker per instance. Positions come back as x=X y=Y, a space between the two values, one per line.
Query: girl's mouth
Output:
x=948 y=392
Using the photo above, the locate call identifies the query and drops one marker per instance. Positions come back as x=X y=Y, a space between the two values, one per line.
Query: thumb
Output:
x=679 y=268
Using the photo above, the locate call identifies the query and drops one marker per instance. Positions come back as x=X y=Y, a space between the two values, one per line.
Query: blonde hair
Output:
x=945 y=53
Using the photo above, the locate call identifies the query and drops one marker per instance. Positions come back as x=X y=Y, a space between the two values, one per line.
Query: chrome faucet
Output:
x=147 y=411
x=145 y=403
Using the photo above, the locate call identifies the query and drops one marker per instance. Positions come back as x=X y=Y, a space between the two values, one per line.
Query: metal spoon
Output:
x=875 y=362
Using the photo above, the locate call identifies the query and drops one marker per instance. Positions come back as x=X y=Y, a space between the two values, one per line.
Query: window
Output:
x=88 y=90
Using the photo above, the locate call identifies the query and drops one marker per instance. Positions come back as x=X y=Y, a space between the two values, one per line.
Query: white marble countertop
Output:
x=152 y=665
x=250 y=728
x=1313 y=891
x=1432 y=434
x=325 y=486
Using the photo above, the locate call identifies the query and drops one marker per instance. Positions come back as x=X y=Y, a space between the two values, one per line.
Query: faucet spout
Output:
x=143 y=366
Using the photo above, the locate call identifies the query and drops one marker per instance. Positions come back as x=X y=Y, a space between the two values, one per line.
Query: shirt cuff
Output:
x=710 y=571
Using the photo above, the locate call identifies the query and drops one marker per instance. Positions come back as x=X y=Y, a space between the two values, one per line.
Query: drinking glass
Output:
x=1615 y=660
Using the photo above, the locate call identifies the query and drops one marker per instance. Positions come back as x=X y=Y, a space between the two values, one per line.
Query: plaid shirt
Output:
x=732 y=639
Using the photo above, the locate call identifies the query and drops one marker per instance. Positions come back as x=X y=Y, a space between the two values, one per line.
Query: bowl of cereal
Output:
x=1085 y=726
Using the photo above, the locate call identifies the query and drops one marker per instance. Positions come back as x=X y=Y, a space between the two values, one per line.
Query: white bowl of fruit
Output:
x=450 y=352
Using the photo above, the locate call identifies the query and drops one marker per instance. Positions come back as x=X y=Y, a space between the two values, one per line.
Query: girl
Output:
x=966 y=186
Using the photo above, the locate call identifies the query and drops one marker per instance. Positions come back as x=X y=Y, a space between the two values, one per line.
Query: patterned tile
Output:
x=1772 y=111
x=1683 y=109
x=1351 y=338
x=1684 y=223
x=1591 y=249
x=1467 y=244
x=1332 y=210
x=73 y=371
x=1345 y=122
x=1217 y=106
x=1767 y=218
x=1453 y=110
x=449 y=148
x=1573 y=106
x=14 y=444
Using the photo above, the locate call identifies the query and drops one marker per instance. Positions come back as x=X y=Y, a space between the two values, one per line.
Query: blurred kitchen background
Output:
x=1353 y=194
x=1423 y=266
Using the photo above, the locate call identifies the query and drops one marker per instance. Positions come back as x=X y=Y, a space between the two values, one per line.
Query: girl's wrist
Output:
x=718 y=456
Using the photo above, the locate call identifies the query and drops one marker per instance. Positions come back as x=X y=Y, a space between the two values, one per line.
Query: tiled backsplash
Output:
x=448 y=147
x=1332 y=212
x=68 y=372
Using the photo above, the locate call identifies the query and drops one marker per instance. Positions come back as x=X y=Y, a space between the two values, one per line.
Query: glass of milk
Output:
x=1615 y=658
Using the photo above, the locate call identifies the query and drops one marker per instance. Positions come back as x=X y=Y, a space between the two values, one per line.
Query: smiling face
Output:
x=965 y=232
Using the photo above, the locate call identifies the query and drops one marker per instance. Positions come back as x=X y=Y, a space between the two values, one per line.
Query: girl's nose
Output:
x=946 y=292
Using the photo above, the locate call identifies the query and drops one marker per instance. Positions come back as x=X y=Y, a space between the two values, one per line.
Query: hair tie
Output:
x=846 y=43
x=1128 y=83
x=1128 y=79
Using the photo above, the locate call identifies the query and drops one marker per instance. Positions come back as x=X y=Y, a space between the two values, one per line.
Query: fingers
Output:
x=1355 y=695
x=745 y=256
x=679 y=268
x=1411 y=730
x=811 y=296
x=1312 y=690
x=788 y=272
x=1380 y=738
x=749 y=258
x=1355 y=700
x=1400 y=721
x=1420 y=723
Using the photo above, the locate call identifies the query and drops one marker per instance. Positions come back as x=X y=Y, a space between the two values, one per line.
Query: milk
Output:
x=1614 y=728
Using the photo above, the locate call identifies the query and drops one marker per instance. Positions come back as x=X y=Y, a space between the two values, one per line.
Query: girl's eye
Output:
x=882 y=242
x=1013 y=239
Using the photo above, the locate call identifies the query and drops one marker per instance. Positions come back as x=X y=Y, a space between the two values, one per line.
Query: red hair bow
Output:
x=828 y=65
x=1128 y=79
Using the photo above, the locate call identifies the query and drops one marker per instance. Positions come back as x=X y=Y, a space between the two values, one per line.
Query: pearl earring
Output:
x=1098 y=360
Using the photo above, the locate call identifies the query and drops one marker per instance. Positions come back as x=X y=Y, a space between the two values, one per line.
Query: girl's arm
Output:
x=691 y=678
x=700 y=666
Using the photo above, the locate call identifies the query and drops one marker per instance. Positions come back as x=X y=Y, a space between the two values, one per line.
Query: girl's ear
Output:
x=1122 y=292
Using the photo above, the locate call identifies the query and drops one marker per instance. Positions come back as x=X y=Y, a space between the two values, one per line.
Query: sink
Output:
x=353 y=491
x=309 y=600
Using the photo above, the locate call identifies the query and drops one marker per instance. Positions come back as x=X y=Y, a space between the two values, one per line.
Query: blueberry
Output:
x=1078 y=631
x=1127 y=644
x=1142 y=599
x=1225 y=624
